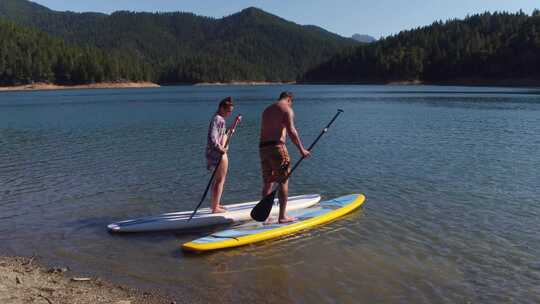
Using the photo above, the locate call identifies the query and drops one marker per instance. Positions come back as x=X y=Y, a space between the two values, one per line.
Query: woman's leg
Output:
x=217 y=185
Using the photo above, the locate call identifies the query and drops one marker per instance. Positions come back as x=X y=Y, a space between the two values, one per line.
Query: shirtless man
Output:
x=277 y=122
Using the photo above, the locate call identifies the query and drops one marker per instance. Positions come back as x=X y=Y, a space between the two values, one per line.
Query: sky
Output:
x=377 y=18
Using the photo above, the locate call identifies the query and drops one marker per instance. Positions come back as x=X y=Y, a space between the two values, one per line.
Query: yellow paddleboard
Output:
x=256 y=232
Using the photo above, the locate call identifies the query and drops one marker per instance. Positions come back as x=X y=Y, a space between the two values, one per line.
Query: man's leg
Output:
x=266 y=190
x=266 y=168
x=283 y=194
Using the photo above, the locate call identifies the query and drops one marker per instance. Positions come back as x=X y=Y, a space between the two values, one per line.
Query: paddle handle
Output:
x=232 y=130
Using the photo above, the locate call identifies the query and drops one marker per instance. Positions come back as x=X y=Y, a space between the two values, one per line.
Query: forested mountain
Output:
x=27 y=56
x=40 y=44
x=21 y=10
x=182 y=47
x=488 y=46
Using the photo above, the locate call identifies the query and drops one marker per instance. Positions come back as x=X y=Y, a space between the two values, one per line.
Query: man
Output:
x=277 y=122
x=216 y=149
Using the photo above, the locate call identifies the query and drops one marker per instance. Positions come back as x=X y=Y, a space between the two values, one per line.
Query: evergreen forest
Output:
x=487 y=46
x=41 y=45
x=174 y=47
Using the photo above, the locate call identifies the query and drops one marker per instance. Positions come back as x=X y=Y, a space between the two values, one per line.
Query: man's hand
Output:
x=305 y=153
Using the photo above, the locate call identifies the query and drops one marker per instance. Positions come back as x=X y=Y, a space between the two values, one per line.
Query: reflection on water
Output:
x=450 y=175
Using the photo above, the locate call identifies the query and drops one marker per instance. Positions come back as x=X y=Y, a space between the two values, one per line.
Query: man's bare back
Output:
x=273 y=126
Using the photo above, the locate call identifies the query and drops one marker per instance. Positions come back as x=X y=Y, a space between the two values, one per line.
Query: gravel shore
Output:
x=24 y=280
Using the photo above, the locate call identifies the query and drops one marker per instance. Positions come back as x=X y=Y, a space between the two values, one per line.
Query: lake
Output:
x=451 y=176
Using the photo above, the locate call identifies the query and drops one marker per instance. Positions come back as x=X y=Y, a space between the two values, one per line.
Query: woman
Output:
x=216 y=150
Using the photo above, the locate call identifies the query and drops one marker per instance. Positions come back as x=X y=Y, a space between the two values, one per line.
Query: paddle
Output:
x=262 y=210
x=231 y=132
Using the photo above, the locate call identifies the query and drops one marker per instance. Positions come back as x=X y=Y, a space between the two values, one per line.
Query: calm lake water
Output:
x=451 y=176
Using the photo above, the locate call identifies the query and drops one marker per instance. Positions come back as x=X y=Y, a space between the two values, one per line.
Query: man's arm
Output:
x=293 y=133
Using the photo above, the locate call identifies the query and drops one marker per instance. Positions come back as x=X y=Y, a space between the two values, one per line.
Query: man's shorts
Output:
x=275 y=162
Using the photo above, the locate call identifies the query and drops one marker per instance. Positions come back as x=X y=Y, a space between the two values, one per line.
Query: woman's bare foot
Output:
x=270 y=220
x=287 y=219
x=219 y=209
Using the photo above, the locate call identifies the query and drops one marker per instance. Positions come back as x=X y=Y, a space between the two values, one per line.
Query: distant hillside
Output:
x=486 y=46
x=27 y=56
x=363 y=38
x=20 y=9
x=250 y=45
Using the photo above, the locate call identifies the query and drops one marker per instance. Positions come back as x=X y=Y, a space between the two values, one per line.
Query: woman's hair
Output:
x=285 y=94
x=226 y=103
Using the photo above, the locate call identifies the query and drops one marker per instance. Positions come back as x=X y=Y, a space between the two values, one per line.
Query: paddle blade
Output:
x=262 y=210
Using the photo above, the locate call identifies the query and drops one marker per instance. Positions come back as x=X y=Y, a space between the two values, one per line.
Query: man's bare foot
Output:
x=219 y=209
x=287 y=219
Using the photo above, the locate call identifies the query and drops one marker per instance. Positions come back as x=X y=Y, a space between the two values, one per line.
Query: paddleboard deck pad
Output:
x=204 y=216
x=256 y=232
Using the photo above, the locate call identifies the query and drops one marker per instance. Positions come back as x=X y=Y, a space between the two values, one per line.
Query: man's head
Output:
x=226 y=107
x=288 y=96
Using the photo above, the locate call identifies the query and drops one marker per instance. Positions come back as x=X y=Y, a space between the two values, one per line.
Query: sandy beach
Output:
x=24 y=280
x=101 y=85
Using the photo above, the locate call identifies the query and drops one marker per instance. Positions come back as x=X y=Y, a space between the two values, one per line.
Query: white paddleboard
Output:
x=204 y=217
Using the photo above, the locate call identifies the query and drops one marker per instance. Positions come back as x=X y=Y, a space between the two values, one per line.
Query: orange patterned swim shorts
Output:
x=275 y=162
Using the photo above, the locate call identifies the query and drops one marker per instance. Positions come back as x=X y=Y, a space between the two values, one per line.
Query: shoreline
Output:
x=479 y=82
x=468 y=82
x=39 y=86
x=25 y=280
x=471 y=82
x=101 y=85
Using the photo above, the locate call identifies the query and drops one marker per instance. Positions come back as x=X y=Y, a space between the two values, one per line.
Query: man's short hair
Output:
x=226 y=103
x=285 y=94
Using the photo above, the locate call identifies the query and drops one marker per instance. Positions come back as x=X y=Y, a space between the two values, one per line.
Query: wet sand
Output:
x=24 y=280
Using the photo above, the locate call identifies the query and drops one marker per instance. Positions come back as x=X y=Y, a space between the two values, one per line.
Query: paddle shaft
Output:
x=231 y=132
x=310 y=147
